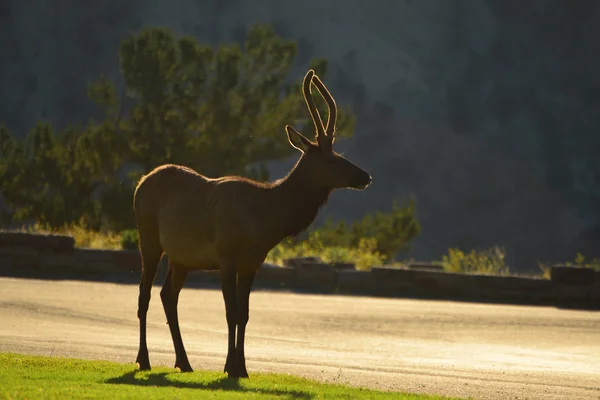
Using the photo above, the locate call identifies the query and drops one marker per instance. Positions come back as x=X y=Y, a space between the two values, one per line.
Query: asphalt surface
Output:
x=448 y=348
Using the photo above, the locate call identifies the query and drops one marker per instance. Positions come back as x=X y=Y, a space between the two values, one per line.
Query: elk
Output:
x=230 y=224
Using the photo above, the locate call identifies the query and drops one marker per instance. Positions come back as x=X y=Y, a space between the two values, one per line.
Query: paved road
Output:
x=456 y=349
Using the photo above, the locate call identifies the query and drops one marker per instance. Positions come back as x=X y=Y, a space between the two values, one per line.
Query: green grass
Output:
x=84 y=238
x=36 y=377
x=364 y=256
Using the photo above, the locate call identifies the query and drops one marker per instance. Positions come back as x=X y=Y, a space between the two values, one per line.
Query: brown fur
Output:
x=230 y=224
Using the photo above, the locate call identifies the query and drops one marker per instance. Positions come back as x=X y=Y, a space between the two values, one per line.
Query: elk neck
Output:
x=296 y=200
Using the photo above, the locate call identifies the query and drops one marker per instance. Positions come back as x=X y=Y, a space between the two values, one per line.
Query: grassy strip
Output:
x=29 y=377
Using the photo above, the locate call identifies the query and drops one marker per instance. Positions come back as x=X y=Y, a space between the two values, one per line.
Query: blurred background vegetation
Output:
x=217 y=110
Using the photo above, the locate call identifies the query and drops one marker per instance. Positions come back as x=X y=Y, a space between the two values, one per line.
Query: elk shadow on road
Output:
x=222 y=383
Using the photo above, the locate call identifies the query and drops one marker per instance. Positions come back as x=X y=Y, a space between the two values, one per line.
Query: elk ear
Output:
x=297 y=140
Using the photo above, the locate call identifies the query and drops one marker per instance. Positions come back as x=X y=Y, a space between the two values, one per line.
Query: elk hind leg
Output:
x=170 y=298
x=151 y=253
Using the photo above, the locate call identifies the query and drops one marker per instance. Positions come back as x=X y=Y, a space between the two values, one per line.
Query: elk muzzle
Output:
x=361 y=180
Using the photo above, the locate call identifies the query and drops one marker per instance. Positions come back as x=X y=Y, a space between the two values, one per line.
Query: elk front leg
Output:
x=229 y=289
x=170 y=297
x=244 y=286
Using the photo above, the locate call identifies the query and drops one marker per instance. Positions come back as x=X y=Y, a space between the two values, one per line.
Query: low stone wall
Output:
x=22 y=250
x=568 y=286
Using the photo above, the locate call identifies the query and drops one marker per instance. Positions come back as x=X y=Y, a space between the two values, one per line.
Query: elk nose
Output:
x=365 y=183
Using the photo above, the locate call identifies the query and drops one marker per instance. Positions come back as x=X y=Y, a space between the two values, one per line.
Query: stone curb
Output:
x=567 y=286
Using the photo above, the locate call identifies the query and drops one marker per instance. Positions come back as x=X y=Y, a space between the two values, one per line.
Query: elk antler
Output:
x=312 y=108
x=332 y=116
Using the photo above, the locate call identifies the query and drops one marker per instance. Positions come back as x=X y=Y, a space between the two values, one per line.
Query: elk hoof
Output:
x=183 y=366
x=235 y=367
x=143 y=363
x=231 y=367
x=242 y=373
x=241 y=364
